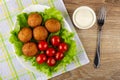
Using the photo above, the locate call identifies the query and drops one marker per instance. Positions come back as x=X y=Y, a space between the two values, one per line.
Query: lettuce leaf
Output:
x=52 y=13
x=22 y=20
x=63 y=33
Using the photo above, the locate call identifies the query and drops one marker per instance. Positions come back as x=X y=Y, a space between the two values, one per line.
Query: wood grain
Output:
x=110 y=43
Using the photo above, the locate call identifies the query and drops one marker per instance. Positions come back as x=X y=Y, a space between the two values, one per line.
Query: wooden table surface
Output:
x=110 y=43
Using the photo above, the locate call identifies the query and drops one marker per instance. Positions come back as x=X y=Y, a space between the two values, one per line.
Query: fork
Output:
x=100 y=21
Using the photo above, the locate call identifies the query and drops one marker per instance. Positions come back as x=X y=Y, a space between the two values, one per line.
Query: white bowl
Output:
x=84 y=17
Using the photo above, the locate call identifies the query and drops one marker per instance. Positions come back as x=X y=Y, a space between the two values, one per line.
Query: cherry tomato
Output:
x=43 y=45
x=41 y=58
x=63 y=47
x=59 y=56
x=55 y=40
x=50 y=52
x=51 y=61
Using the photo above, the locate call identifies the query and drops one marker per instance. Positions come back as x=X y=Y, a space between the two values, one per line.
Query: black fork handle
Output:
x=97 y=55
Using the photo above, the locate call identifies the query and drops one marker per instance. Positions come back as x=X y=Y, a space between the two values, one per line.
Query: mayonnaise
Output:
x=84 y=17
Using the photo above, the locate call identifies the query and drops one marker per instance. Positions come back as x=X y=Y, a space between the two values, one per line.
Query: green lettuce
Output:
x=63 y=33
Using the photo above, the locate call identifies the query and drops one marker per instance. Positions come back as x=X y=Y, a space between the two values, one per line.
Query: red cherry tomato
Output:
x=41 y=58
x=55 y=40
x=59 y=56
x=63 y=47
x=50 y=52
x=43 y=45
x=51 y=61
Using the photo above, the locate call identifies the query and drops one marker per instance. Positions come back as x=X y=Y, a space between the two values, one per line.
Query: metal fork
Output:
x=100 y=21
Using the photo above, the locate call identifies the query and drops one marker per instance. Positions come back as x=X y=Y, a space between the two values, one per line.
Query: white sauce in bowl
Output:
x=84 y=17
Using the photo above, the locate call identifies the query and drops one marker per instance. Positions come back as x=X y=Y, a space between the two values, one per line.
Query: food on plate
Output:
x=25 y=34
x=34 y=19
x=41 y=58
x=63 y=47
x=29 y=49
x=51 y=61
x=50 y=46
x=55 y=40
x=59 y=55
x=50 y=52
x=52 y=25
x=40 y=33
x=42 y=45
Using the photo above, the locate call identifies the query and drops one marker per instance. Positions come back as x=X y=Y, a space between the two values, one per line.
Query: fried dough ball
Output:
x=40 y=33
x=25 y=34
x=29 y=49
x=52 y=25
x=34 y=19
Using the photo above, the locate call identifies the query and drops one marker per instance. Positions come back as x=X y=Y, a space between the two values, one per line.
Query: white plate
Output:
x=82 y=56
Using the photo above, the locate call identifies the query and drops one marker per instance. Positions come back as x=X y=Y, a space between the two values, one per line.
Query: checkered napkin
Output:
x=10 y=68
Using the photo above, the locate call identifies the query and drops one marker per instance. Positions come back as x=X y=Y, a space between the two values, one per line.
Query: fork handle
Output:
x=97 y=55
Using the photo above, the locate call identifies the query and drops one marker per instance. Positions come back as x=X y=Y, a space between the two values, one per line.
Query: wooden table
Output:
x=110 y=43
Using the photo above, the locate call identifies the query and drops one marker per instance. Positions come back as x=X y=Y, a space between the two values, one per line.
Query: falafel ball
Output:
x=25 y=34
x=40 y=33
x=52 y=25
x=34 y=19
x=29 y=49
